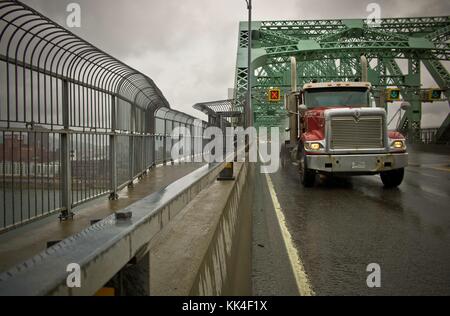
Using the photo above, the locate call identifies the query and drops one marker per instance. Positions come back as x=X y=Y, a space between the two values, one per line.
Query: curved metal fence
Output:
x=75 y=122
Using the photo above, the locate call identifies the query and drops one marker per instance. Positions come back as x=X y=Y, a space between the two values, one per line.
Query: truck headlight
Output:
x=313 y=146
x=398 y=144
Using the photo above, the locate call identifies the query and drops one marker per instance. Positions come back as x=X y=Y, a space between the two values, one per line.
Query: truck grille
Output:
x=349 y=133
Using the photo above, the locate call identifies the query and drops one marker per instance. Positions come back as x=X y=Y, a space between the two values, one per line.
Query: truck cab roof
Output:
x=322 y=85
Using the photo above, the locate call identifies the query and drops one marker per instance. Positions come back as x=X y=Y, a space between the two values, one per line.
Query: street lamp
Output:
x=249 y=114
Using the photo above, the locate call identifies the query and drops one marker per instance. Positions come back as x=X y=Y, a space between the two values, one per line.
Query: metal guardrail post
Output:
x=132 y=145
x=66 y=177
x=165 y=143
x=192 y=142
x=152 y=131
x=112 y=151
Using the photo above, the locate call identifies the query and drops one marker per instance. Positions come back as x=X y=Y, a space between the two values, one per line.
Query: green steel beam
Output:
x=443 y=133
x=399 y=79
x=329 y=50
x=442 y=78
x=439 y=74
x=311 y=28
x=414 y=113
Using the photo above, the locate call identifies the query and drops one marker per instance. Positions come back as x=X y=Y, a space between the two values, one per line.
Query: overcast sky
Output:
x=188 y=47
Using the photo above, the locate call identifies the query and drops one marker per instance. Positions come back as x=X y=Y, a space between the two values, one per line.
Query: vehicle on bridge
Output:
x=336 y=129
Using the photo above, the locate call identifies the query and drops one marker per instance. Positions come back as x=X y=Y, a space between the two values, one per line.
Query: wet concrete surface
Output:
x=24 y=242
x=342 y=225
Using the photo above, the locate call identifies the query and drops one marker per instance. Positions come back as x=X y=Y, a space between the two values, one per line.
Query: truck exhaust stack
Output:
x=293 y=74
x=292 y=103
x=364 y=69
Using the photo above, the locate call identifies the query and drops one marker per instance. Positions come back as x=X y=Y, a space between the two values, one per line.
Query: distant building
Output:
x=14 y=149
x=32 y=147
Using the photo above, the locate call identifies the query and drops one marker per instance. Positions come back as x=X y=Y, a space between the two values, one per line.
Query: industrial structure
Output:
x=329 y=50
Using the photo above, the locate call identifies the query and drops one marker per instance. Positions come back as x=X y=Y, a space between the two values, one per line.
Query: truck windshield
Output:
x=355 y=97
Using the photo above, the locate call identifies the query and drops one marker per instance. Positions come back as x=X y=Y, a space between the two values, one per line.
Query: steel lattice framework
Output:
x=330 y=50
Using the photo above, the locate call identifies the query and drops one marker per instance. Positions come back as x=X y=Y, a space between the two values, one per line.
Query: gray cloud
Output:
x=189 y=46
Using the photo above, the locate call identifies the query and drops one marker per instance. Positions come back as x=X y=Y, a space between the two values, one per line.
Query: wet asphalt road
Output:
x=342 y=225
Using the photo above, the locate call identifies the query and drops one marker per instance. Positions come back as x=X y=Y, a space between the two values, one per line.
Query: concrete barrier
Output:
x=109 y=246
x=206 y=250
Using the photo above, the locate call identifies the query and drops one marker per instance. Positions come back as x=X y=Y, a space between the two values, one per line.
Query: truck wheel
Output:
x=392 y=178
x=307 y=176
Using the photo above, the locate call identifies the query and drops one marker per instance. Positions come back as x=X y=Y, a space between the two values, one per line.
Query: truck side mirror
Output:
x=405 y=106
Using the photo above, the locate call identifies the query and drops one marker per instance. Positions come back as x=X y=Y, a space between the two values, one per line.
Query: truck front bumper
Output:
x=357 y=164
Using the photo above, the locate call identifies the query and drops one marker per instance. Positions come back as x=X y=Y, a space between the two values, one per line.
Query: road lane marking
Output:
x=441 y=168
x=301 y=279
x=422 y=173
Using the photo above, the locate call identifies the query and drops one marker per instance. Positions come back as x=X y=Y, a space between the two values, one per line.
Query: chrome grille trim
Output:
x=349 y=133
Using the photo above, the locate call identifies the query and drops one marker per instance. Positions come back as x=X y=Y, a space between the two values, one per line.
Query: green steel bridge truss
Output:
x=330 y=50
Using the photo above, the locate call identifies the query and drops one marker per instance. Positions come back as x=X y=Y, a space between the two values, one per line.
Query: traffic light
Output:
x=274 y=95
x=392 y=95
x=435 y=95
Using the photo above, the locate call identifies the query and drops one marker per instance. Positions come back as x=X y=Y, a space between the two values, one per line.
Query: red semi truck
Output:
x=336 y=129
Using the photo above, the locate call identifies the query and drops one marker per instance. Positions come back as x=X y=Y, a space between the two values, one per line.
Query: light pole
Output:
x=249 y=114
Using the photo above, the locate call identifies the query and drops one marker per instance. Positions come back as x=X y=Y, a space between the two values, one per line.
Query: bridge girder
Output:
x=329 y=50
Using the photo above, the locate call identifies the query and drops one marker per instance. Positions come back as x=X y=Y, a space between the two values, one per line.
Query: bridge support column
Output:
x=414 y=114
x=135 y=277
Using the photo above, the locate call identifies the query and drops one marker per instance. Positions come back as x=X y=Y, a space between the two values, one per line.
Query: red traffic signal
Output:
x=274 y=95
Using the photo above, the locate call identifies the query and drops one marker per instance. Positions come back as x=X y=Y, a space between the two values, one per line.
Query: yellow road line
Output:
x=301 y=279
x=441 y=168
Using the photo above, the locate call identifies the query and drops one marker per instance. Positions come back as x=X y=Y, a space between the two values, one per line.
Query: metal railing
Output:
x=428 y=135
x=75 y=123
